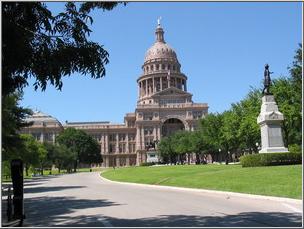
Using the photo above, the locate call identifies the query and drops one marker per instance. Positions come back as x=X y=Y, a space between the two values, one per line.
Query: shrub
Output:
x=268 y=159
x=147 y=163
x=294 y=148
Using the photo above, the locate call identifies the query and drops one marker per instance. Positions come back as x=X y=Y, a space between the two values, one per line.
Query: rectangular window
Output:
x=112 y=137
x=122 y=137
x=37 y=136
x=48 y=137
x=112 y=148
x=131 y=137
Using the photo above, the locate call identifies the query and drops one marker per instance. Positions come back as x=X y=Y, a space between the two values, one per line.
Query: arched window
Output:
x=151 y=67
x=157 y=67
x=163 y=67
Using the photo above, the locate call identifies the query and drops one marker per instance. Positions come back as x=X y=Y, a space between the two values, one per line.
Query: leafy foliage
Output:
x=85 y=148
x=13 y=116
x=48 y=47
x=236 y=130
x=166 y=149
x=33 y=152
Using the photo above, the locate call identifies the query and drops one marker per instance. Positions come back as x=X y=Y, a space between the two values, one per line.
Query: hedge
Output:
x=268 y=159
x=147 y=163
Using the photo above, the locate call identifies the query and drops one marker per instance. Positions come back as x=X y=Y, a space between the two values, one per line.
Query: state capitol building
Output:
x=164 y=106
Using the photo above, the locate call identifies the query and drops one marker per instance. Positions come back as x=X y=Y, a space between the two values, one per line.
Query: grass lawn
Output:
x=46 y=172
x=283 y=181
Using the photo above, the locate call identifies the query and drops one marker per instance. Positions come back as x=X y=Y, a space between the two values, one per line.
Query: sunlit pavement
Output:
x=86 y=200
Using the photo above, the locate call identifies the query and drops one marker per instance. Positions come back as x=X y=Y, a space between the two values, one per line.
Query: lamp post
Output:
x=257 y=146
x=228 y=158
x=220 y=155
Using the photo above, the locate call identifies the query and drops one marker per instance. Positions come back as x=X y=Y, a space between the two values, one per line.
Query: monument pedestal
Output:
x=270 y=120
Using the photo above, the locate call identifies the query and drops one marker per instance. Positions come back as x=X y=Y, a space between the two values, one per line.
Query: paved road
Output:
x=84 y=199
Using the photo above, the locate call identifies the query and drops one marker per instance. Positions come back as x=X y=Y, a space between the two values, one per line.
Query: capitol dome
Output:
x=160 y=50
x=40 y=118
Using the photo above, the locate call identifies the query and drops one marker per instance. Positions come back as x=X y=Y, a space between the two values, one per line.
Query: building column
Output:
x=139 y=87
x=142 y=138
x=106 y=143
x=153 y=82
x=42 y=136
x=154 y=132
x=138 y=138
x=127 y=144
x=102 y=142
x=161 y=83
x=159 y=134
x=107 y=159
x=146 y=81
x=117 y=161
x=117 y=144
x=54 y=137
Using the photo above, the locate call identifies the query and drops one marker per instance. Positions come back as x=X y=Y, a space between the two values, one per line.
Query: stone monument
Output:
x=270 y=120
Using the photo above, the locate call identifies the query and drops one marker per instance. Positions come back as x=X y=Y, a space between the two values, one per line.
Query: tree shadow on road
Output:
x=49 y=211
x=247 y=219
x=39 y=179
x=41 y=189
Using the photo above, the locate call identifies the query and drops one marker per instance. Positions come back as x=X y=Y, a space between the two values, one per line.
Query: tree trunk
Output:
x=26 y=170
x=188 y=154
x=75 y=166
x=227 y=158
x=197 y=158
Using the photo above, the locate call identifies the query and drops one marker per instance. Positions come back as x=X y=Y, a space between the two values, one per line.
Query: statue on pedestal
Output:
x=267 y=80
x=270 y=120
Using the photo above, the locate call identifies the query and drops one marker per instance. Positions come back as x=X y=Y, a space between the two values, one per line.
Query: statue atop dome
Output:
x=158 y=21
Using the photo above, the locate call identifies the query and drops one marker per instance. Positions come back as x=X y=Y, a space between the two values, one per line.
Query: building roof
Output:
x=160 y=49
x=40 y=118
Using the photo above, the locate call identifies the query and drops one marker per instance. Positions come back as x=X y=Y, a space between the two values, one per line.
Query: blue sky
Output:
x=222 y=48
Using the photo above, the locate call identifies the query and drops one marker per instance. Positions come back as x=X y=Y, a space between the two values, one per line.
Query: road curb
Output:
x=236 y=194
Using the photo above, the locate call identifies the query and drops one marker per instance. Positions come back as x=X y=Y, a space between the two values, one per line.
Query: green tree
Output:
x=29 y=153
x=64 y=158
x=13 y=116
x=229 y=133
x=50 y=156
x=210 y=127
x=86 y=148
x=46 y=47
x=182 y=145
x=247 y=111
x=42 y=156
x=197 y=144
x=288 y=95
x=166 y=150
